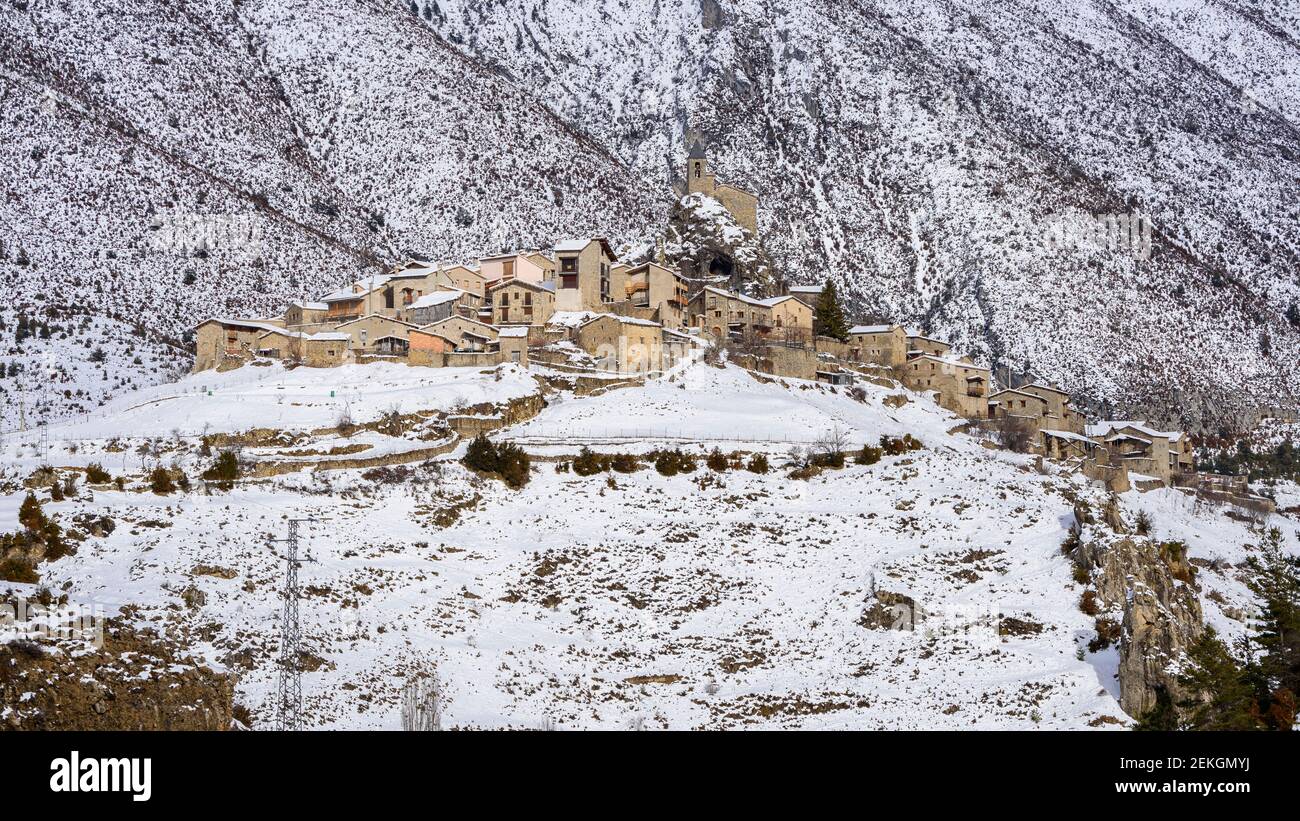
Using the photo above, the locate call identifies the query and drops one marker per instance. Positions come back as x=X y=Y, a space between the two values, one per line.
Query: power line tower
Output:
x=289 y=698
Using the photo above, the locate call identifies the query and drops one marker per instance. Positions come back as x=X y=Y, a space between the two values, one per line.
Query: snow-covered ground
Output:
x=636 y=600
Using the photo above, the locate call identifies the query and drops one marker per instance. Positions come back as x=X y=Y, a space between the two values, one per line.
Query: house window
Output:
x=508 y=269
x=698 y=165
x=568 y=280
x=568 y=265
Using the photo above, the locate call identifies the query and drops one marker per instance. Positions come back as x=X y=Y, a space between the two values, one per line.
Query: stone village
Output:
x=577 y=308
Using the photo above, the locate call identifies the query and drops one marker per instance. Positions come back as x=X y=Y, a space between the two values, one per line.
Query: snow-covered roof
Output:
x=806 y=289
x=1043 y=387
x=376 y=316
x=357 y=289
x=626 y=320
x=1105 y=426
x=733 y=295
x=513 y=331
x=251 y=324
x=869 y=329
x=437 y=298
x=772 y=302
x=950 y=361
x=323 y=336
x=536 y=286
x=1021 y=393
x=917 y=335
x=570 y=319
x=450 y=319
x=1066 y=434
x=311 y=306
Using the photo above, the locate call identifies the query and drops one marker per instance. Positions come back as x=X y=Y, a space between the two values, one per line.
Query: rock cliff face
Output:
x=137 y=681
x=1151 y=587
x=705 y=241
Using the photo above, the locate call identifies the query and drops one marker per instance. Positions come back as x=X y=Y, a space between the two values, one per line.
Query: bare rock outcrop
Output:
x=1153 y=586
x=136 y=681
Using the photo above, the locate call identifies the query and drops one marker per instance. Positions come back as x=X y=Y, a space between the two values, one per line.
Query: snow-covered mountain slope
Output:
x=167 y=161
x=921 y=151
x=620 y=600
x=164 y=163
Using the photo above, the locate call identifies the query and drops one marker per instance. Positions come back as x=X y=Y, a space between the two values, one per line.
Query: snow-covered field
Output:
x=633 y=600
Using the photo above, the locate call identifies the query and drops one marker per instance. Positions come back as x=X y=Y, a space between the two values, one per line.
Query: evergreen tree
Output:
x=1226 y=697
x=1275 y=581
x=828 y=318
x=1161 y=717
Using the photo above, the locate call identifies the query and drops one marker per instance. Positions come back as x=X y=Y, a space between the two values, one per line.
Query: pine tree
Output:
x=1275 y=581
x=828 y=318
x=1161 y=717
x=1226 y=699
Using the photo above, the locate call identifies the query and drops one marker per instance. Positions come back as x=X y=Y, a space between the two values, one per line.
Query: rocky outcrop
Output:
x=706 y=243
x=135 y=681
x=1152 y=585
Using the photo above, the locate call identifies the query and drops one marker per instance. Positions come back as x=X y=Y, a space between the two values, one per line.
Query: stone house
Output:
x=791 y=320
x=651 y=285
x=305 y=313
x=512 y=342
x=465 y=278
x=528 y=266
x=521 y=302
x=1143 y=449
x=742 y=204
x=361 y=298
x=1060 y=415
x=726 y=315
x=625 y=345
x=809 y=295
x=367 y=330
x=223 y=342
x=918 y=345
x=465 y=334
x=958 y=384
x=320 y=350
x=438 y=305
x=582 y=277
x=878 y=344
x=1029 y=407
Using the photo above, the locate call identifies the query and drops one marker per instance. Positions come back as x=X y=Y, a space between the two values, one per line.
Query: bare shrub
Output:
x=1015 y=433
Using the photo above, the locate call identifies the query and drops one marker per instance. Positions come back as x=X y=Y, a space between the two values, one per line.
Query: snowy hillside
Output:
x=922 y=151
x=620 y=600
x=164 y=162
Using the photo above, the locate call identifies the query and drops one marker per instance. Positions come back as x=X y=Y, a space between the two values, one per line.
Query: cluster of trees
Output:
x=1279 y=462
x=1253 y=684
x=506 y=461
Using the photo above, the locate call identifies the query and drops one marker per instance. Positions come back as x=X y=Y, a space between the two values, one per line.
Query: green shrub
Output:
x=56 y=491
x=673 y=462
x=625 y=463
x=666 y=463
x=894 y=446
x=18 y=569
x=507 y=461
x=160 y=481
x=589 y=463
x=757 y=463
x=96 y=475
x=481 y=454
x=834 y=459
x=1143 y=524
x=868 y=455
x=224 y=470
x=513 y=465
x=716 y=461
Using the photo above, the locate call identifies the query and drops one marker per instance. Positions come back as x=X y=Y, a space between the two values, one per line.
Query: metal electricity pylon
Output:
x=289 y=699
